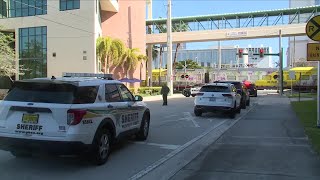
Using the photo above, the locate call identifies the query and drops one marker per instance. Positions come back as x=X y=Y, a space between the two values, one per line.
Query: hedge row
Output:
x=146 y=90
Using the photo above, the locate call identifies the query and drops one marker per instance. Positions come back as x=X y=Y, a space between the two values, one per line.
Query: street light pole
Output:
x=169 y=50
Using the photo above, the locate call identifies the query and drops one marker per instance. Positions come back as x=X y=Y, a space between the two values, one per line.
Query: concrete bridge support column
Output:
x=150 y=60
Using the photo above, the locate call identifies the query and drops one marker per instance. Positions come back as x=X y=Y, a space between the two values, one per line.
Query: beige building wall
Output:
x=70 y=34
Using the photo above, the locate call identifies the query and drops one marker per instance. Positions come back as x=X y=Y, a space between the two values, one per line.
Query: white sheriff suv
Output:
x=80 y=113
x=218 y=97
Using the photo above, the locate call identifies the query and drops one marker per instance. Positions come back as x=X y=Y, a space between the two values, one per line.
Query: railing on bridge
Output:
x=234 y=20
x=240 y=65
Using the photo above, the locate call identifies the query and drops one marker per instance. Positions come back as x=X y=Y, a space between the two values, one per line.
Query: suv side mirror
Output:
x=138 y=98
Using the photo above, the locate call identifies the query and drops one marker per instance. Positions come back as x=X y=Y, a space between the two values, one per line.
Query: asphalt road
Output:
x=176 y=137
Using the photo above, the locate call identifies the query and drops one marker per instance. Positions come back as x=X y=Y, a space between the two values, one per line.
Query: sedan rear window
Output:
x=52 y=93
x=215 y=89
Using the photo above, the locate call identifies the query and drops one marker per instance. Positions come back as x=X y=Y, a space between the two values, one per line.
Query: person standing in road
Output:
x=165 y=91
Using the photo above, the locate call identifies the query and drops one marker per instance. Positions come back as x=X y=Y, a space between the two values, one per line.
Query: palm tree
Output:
x=100 y=49
x=130 y=59
x=118 y=49
x=178 y=27
x=110 y=52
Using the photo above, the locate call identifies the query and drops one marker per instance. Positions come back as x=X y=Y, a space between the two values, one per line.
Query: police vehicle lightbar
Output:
x=87 y=75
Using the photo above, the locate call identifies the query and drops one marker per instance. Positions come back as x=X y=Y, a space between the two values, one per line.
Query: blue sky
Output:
x=204 y=7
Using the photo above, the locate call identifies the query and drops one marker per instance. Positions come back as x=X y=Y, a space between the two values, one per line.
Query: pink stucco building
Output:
x=128 y=24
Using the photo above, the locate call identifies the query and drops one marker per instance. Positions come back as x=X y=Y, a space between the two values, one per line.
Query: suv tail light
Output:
x=75 y=116
x=227 y=95
x=199 y=94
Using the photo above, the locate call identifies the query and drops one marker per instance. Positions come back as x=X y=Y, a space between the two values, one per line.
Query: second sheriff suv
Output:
x=70 y=115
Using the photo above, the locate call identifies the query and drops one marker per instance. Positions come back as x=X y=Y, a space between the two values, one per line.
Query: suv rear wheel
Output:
x=197 y=112
x=21 y=154
x=143 y=133
x=101 y=146
x=243 y=104
x=233 y=111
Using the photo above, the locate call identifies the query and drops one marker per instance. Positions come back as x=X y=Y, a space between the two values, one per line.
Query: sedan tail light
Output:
x=199 y=94
x=75 y=116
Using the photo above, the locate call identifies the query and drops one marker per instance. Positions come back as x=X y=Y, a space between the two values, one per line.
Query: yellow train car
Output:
x=308 y=76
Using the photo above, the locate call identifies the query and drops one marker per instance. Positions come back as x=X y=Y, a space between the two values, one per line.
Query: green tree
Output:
x=178 y=27
x=191 y=64
x=118 y=49
x=110 y=52
x=7 y=56
x=130 y=59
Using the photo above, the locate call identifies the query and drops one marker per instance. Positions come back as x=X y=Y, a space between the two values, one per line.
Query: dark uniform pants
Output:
x=165 y=99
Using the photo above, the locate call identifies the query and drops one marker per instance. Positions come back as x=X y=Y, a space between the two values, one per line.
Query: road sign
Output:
x=292 y=74
x=313 y=52
x=313 y=28
x=313 y=32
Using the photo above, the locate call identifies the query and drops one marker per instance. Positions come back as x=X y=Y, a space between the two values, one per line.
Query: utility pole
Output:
x=280 y=64
x=169 y=50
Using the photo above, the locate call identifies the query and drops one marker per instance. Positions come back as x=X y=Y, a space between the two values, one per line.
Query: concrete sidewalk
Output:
x=269 y=143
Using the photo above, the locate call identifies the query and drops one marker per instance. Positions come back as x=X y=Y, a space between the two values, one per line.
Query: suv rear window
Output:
x=237 y=85
x=52 y=93
x=215 y=89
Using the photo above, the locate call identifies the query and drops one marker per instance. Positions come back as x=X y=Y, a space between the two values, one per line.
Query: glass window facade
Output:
x=33 y=51
x=69 y=4
x=22 y=8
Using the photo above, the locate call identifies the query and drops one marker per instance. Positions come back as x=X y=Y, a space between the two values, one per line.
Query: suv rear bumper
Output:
x=212 y=108
x=51 y=147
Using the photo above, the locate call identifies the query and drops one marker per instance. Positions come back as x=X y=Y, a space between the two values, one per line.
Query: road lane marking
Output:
x=189 y=117
x=170 y=116
x=163 y=146
x=173 y=153
x=183 y=147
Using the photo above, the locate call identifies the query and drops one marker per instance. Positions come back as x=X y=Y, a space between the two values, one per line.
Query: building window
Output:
x=69 y=4
x=3 y=9
x=22 y=8
x=33 y=52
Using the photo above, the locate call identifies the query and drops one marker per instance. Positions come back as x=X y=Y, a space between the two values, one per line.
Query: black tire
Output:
x=101 y=146
x=198 y=112
x=143 y=133
x=248 y=103
x=232 y=113
x=193 y=95
x=243 y=104
x=21 y=154
x=256 y=95
x=238 y=109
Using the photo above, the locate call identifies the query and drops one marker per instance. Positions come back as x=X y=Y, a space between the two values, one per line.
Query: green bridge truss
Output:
x=234 y=20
